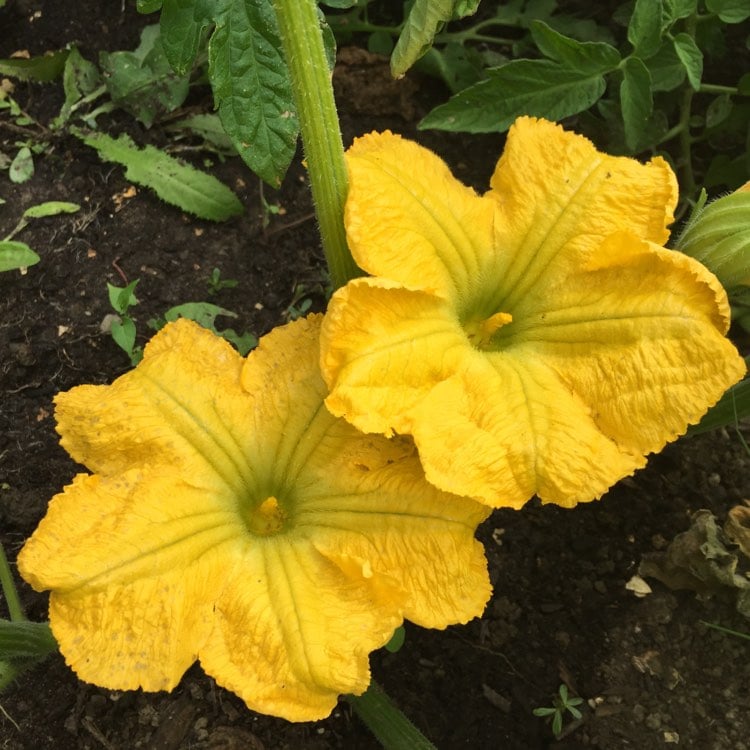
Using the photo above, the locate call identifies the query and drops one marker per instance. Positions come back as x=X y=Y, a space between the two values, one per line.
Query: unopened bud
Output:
x=719 y=237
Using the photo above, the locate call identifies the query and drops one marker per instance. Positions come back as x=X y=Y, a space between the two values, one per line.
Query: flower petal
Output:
x=382 y=363
x=559 y=198
x=155 y=414
x=638 y=336
x=409 y=220
x=132 y=576
x=293 y=631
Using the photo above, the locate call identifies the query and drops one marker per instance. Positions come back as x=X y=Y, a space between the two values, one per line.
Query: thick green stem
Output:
x=392 y=729
x=302 y=39
x=15 y=610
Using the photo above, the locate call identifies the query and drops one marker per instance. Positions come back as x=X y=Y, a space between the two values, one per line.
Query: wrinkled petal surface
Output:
x=545 y=347
x=236 y=521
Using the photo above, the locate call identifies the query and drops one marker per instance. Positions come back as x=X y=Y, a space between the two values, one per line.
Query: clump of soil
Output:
x=650 y=672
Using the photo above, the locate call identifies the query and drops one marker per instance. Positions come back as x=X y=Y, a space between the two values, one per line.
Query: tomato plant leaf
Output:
x=541 y=88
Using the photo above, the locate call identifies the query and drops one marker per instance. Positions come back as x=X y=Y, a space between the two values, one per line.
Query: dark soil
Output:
x=650 y=672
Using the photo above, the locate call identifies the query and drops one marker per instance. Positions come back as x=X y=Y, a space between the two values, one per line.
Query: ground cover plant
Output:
x=425 y=262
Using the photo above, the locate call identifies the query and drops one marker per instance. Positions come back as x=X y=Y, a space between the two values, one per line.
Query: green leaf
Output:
x=142 y=82
x=732 y=406
x=636 y=101
x=397 y=640
x=691 y=57
x=730 y=11
x=148 y=6
x=22 y=167
x=463 y=8
x=425 y=19
x=243 y=343
x=673 y=10
x=541 y=88
x=666 y=68
x=586 y=57
x=341 y=4
x=183 y=23
x=203 y=313
x=121 y=298
x=644 y=29
x=251 y=85
x=173 y=181
x=123 y=334
x=208 y=127
x=14 y=255
x=80 y=78
x=50 y=208
x=544 y=711
x=718 y=111
x=41 y=69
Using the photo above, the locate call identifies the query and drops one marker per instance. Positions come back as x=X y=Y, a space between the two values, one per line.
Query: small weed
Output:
x=121 y=325
x=216 y=283
x=561 y=703
x=16 y=255
x=123 y=331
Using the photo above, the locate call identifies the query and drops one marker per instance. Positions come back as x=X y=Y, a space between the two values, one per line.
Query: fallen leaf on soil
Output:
x=737 y=527
x=699 y=559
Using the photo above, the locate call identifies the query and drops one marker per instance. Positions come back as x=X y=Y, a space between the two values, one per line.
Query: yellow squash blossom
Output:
x=537 y=339
x=231 y=518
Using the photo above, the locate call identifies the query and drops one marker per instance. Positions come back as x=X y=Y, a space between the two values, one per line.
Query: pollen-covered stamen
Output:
x=480 y=332
x=267 y=518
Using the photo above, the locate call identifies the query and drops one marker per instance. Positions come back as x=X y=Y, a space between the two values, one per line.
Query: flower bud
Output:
x=719 y=237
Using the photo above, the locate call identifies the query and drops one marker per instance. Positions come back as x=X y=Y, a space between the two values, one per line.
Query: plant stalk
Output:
x=302 y=40
x=15 y=610
x=391 y=728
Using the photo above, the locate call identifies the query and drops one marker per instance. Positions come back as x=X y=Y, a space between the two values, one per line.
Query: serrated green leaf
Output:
x=41 y=69
x=183 y=23
x=173 y=181
x=22 y=167
x=644 y=28
x=730 y=11
x=541 y=88
x=666 y=68
x=425 y=19
x=636 y=100
x=14 y=255
x=50 y=208
x=251 y=85
x=691 y=57
x=142 y=82
x=587 y=57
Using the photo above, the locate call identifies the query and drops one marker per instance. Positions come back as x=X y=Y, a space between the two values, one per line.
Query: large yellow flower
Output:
x=231 y=518
x=535 y=339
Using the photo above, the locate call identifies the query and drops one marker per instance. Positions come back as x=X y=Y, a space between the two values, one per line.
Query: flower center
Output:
x=267 y=519
x=480 y=332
